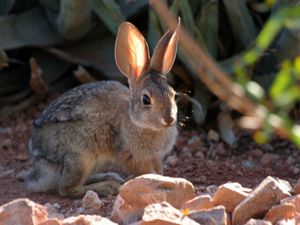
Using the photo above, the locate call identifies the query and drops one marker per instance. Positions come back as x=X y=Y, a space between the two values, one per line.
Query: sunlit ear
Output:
x=165 y=51
x=131 y=51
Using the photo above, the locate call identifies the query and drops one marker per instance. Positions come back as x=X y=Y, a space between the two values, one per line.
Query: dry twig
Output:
x=83 y=76
x=36 y=82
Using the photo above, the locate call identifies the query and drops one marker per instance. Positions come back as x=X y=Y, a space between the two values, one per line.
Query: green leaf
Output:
x=209 y=27
x=295 y=135
x=3 y=59
x=154 y=30
x=98 y=54
x=27 y=29
x=187 y=16
x=132 y=8
x=52 y=66
x=199 y=107
x=74 y=19
x=241 y=22
x=6 y=6
x=282 y=82
x=196 y=5
x=109 y=12
x=270 y=31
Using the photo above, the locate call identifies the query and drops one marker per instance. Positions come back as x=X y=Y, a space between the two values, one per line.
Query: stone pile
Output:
x=158 y=200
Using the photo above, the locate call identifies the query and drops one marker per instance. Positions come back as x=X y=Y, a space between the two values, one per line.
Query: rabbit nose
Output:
x=169 y=121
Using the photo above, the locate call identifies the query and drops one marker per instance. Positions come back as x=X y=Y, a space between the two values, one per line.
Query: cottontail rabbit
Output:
x=106 y=122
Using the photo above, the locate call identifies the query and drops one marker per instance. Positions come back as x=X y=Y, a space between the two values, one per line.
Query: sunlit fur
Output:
x=99 y=123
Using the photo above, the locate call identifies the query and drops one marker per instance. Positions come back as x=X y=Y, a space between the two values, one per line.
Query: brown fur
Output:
x=94 y=124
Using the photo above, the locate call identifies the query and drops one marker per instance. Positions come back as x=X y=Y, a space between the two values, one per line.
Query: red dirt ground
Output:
x=195 y=157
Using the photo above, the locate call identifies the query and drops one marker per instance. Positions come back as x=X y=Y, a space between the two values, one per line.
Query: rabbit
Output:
x=103 y=122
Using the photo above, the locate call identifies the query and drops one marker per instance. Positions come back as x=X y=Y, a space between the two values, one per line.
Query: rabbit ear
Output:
x=131 y=51
x=165 y=51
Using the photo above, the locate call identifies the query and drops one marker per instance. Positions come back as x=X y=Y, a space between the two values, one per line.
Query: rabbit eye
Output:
x=146 y=100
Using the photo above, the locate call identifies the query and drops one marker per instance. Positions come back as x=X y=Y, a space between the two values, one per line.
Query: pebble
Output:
x=4 y=172
x=52 y=211
x=249 y=165
x=211 y=164
x=21 y=176
x=213 y=135
x=268 y=160
x=5 y=130
x=220 y=150
x=195 y=143
x=172 y=160
x=290 y=160
x=199 y=155
x=186 y=152
x=211 y=188
x=256 y=153
x=194 y=140
x=6 y=143
x=296 y=171
x=56 y=205
x=91 y=202
x=22 y=147
x=22 y=157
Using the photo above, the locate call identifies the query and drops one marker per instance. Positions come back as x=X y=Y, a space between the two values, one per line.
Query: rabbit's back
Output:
x=81 y=121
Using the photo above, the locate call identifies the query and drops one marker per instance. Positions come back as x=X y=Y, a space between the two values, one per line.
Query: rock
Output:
x=256 y=153
x=186 y=152
x=297 y=203
x=200 y=202
x=26 y=212
x=290 y=199
x=6 y=143
x=199 y=155
x=267 y=194
x=297 y=187
x=52 y=211
x=22 y=157
x=257 y=222
x=22 y=211
x=268 y=160
x=172 y=160
x=220 y=149
x=21 y=176
x=295 y=170
x=22 y=148
x=5 y=130
x=216 y=216
x=56 y=205
x=287 y=222
x=195 y=142
x=230 y=195
x=164 y=214
x=290 y=161
x=280 y=212
x=211 y=189
x=250 y=165
x=213 y=135
x=4 y=172
x=147 y=189
x=87 y=220
x=91 y=202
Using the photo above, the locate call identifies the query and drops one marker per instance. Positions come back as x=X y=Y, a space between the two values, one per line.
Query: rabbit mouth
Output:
x=153 y=125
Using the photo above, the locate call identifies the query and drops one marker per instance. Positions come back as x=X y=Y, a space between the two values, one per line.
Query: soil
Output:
x=201 y=158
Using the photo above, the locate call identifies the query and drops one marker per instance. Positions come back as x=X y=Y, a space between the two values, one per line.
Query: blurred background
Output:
x=50 y=46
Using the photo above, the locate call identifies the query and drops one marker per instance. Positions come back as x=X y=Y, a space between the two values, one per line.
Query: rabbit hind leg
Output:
x=103 y=188
x=76 y=169
x=109 y=176
x=76 y=178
